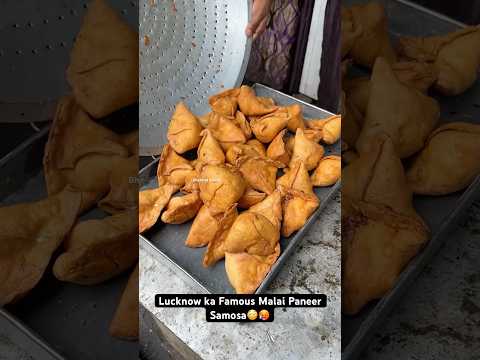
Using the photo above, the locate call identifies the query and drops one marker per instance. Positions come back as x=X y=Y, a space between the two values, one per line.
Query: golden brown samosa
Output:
x=221 y=186
x=419 y=75
x=209 y=151
x=125 y=322
x=84 y=259
x=331 y=128
x=250 y=105
x=306 y=151
x=250 y=198
x=314 y=134
x=172 y=168
x=259 y=172
x=184 y=130
x=267 y=101
x=151 y=203
x=382 y=231
x=328 y=171
x=374 y=40
x=257 y=230
x=241 y=121
x=29 y=234
x=204 y=119
x=225 y=103
x=403 y=113
x=225 y=131
x=180 y=209
x=207 y=226
x=455 y=57
x=237 y=151
x=216 y=244
x=257 y=145
x=103 y=70
x=246 y=272
x=267 y=127
x=295 y=114
x=277 y=150
x=449 y=161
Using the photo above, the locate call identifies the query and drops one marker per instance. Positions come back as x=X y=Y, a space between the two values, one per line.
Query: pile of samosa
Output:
x=393 y=146
x=86 y=166
x=231 y=190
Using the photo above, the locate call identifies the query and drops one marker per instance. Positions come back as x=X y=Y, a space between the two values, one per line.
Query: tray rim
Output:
x=334 y=190
x=385 y=305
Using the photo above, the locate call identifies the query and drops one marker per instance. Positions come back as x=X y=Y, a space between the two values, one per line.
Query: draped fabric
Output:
x=271 y=56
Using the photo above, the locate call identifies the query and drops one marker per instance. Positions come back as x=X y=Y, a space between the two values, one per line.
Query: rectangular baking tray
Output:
x=440 y=213
x=167 y=241
x=57 y=320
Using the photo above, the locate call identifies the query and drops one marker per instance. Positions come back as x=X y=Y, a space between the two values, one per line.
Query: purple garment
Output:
x=271 y=54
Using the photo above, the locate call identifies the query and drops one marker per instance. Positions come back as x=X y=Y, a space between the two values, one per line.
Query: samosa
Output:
x=250 y=198
x=328 y=171
x=306 y=151
x=246 y=272
x=259 y=172
x=250 y=105
x=125 y=322
x=221 y=186
x=241 y=121
x=299 y=199
x=295 y=115
x=225 y=131
x=151 y=204
x=29 y=235
x=405 y=114
x=209 y=151
x=257 y=145
x=206 y=226
x=277 y=150
x=331 y=128
x=84 y=259
x=257 y=230
x=103 y=70
x=314 y=134
x=374 y=40
x=455 y=57
x=449 y=162
x=225 y=103
x=268 y=126
x=237 y=151
x=382 y=231
x=181 y=209
x=184 y=130
x=172 y=168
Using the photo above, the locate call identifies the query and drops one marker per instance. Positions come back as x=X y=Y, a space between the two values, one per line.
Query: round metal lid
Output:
x=189 y=50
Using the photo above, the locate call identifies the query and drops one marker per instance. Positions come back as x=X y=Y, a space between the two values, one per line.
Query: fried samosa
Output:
x=246 y=272
x=449 y=161
x=277 y=150
x=125 y=322
x=331 y=128
x=241 y=121
x=216 y=245
x=259 y=172
x=172 y=168
x=374 y=40
x=123 y=193
x=267 y=101
x=209 y=151
x=250 y=105
x=328 y=171
x=382 y=231
x=225 y=131
x=221 y=186
x=313 y=134
x=257 y=145
x=204 y=119
x=237 y=151
x=250 y=198
x=267 y=127
x=184 y=130
x=403 y=113
x=306 y=151
x=29 y=234
x=225 y=103
x=295 y=117
x=299 y=199
x=151 y=203
x=181 y=209
x=103 y=70
x=257 y=230
x=97 y=250
x=455 y=57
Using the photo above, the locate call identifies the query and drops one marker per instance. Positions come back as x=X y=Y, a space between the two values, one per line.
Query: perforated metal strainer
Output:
x=189 y=50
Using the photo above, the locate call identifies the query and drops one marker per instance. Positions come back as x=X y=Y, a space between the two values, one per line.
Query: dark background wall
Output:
x=467 y=11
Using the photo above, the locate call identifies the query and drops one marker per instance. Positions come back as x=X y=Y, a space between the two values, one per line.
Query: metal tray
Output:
x=440 y=213
x=71 y=320
x=169 y=239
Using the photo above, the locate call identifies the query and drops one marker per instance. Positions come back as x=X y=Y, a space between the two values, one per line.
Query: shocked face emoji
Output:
x=264 y=315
